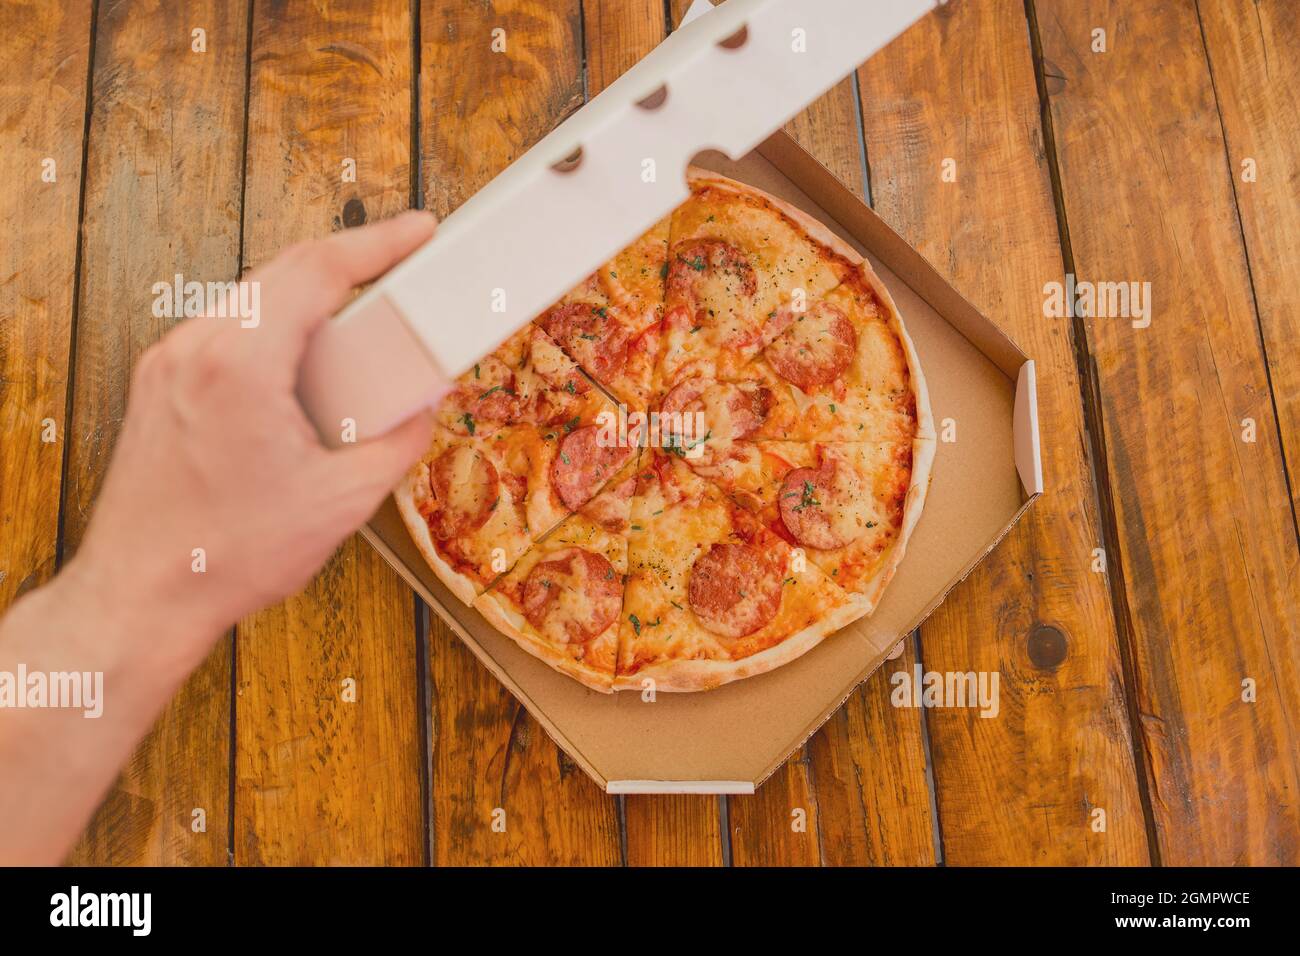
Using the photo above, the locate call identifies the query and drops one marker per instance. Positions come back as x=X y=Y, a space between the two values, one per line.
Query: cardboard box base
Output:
x=730 y=739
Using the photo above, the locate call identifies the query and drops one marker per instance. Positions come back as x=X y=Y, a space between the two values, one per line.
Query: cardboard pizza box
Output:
x=981 y=386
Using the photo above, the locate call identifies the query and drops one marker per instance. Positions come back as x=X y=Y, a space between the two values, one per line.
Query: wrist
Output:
x=133 y=628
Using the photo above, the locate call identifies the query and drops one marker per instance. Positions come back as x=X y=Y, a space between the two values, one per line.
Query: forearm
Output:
x=216 y=460
x=57 y=760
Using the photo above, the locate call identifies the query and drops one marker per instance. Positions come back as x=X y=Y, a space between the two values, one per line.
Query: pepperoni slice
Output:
x=572 y=596
x=708 y=268
x=731 y=411
x=583 y=465
x=465 y=491
x=591 y=334
x=490 y=397
x=815 y=348
x=825 y=507
x=735 y=589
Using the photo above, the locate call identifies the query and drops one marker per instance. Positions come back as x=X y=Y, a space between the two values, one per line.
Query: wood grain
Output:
x=617 y=35
x=888 y=778
x=868 y=765
x=46 y=48
x=1021 y=787
x=660 y=830
x=503 y=793
x=1205 y=532
x=673 y=830
x=861 y=786
x=320 y=779
x=779 y=824
x=480 y=115
x=162 y=197
x=492 y=763
x=1254 y=53
x=677 y=9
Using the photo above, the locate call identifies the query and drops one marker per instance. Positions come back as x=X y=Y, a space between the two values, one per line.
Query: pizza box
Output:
x=987 y=469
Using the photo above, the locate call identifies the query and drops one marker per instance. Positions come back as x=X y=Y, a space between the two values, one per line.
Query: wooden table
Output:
x=1143 y=618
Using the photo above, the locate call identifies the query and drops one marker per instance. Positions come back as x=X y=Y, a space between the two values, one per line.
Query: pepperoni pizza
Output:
x=717 y=551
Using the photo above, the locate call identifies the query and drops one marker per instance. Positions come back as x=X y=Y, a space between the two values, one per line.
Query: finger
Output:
x=385 y=459
x=307 y=284
x=302 y=287
x=358 y=255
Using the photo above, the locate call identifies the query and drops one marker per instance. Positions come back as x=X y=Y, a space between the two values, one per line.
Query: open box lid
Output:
x=724 y=81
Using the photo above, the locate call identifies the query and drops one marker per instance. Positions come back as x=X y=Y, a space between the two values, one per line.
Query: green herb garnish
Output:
x=809 y=499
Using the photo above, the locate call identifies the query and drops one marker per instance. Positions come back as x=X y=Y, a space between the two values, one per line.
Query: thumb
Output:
x=383 y=460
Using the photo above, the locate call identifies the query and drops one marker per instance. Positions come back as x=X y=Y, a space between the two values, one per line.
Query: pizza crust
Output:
x=817 y=231
x=923 y=450
x=459 y=584
x=513 y=625
x=686 y=676
x=916 y=378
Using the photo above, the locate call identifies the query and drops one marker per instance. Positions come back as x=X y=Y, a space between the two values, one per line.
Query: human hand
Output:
x=217 y=454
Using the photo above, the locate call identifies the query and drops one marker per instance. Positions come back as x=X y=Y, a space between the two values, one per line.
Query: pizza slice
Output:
x=736 y=257
x=844 y=369
x=710 y=425
x=466 y=511
x=516 y=447
x=609 y=324
x=850 y=507
x=712 y=595
x=528 y=380
x=562 y=601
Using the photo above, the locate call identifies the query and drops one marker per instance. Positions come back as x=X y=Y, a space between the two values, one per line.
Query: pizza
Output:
x=696 y=465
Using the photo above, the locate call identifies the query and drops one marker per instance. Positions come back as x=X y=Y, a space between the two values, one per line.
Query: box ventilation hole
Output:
x=655 y=100
x=736 y=40
x=569 y=163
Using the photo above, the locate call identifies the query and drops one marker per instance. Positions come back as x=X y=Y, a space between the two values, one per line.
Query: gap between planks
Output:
x=1090 y=399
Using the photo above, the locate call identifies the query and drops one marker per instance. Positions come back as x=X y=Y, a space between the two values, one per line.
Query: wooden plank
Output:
x=492 y=763
x=480 y=115
x=1021 y=787
x=46 y=47
x=660 y=830
x=503 y=793
x=673 y=830
x=855 y=795
x=1202 y=516
x=868 y=766
x=617 y=35
x=1254 y=53
x=162 y=197
x=779 y=824
x=320 y=779
x=881 y=744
